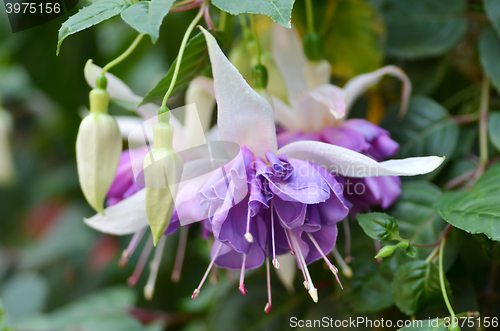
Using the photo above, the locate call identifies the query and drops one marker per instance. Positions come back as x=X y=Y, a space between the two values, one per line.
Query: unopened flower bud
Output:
x=6 y=163
x=259 y=76
x=98 y=150
x=385 y=251
x=162 y=172
x=313 y=46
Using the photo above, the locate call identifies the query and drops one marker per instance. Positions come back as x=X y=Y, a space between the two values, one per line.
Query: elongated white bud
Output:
x=98 y=150
x=162 y=172
x=7 y=172
x=317 y=73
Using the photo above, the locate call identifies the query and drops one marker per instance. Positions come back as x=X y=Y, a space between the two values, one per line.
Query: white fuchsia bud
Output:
x=7 y=172
x=162 y=172
x=98 y=149
x=317 y=73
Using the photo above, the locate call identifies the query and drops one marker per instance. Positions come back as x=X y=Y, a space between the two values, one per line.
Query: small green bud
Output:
x=404 y=245
x=98 y=150
x=385 y=251
x=259 y=76
x=101 y=82
x=313 y=46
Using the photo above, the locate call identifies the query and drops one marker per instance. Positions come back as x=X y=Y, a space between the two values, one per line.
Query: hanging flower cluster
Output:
x=280 y=197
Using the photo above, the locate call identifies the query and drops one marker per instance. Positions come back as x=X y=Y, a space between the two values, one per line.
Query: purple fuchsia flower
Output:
x=125 y=213
x=316 y=111
x=268 y=200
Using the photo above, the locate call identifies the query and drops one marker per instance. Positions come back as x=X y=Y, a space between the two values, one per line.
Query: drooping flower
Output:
x=98 y=149
x=317 y=109
x=270 y=201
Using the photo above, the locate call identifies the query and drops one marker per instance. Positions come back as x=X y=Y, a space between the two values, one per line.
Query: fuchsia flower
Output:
x=316 y=111
x=269 y=200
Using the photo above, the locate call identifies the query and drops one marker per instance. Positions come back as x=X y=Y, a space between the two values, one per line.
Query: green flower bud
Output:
x=7 y=172
x=313 y=46
x=98 y=150
x=385 y=251
x=259 y=76
x=404 y=245
x=162 y=171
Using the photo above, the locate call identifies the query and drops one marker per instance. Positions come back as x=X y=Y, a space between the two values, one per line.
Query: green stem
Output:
x=123 y=56
x=441 y=280
x=432 y=255
x=483 y=121
x=309 y=16
x=181 y=53
x=222 y=20
x=254 y=30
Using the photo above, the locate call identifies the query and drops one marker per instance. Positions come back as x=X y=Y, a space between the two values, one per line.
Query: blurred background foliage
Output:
x=56 y=273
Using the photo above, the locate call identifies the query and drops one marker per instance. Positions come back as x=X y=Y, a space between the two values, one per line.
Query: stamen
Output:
x=347 y=232
x=197 y=290
x=208 y=19
x=134 y=242
x=289 y=243
x=276 y=264
x=242 y=276
x=334 y=270
x=154 y=266
x=269 y=305
x=248 y=235
x=132 y=280
x=313 y=292
x=346 y=270
x=179 y=258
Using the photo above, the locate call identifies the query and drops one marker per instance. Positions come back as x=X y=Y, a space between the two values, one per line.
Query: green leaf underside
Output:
x=194 y=62
x=494 y=128
x=279 y=10
x=489 y=53
x=492 y=8
x=147 y=16
x=417 y=29
x=416 y=285
x=378 y=226
x=477 y=210
x=96 y=13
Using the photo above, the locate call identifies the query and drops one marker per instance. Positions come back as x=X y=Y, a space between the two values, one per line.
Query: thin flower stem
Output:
x=310 y=16
x=483 y=121
x=222 y=20
x=254 y=30
x=124 y=55
x=432 y=254
x=346 y=270
x=441 y=280
x=181 y=53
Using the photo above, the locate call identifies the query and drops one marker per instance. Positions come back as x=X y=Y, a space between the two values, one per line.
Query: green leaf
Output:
x=279 y=10
x=97 y=12
x=477 y=216
x=416 y=285
x=423 y=28
x=379 y=226
x=489 y=183
x=489 y=53
x=427 y=129
x=494 y=128
x=371 y=288
x=194 y=62
x=492 y=8
x=147 y=16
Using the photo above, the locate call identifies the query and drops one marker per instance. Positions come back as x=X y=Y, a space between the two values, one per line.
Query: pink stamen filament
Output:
x=242 y=276
x=154 y=266
x=134 y=242
x=197 y=290
x=346 y=270
x=299 y=263
x=208 y=19
x=289 y=243
x=132 y=280
x=276 y=264
x=179 y=258
x=313 y=292
x=269 y=305
x=334 y=270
